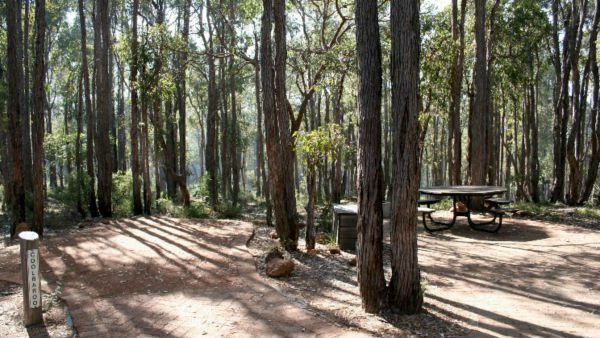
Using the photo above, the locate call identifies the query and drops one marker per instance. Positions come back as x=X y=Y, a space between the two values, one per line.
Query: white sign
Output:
x=33 y=277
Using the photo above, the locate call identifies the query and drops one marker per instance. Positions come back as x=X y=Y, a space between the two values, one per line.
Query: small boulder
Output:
x=277 y=265
x=352 y=261
x=280 y=268
x=335 y=251
x=313 y=252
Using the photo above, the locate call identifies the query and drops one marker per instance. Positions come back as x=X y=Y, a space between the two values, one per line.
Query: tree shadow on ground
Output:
x=167 y=277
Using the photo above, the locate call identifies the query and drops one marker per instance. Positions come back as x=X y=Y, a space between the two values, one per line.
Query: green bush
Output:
x=228 y=210
x=68 y=196
x=197 y=209
x=122 y=194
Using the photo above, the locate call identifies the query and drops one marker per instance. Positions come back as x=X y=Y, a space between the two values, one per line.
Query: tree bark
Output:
x=91 y=118
x=103 y=107
x=211 y=117
x=135 y=113
x=370 y=177
x=26 y=117
x=479 y=114
x=281 y=177
x=454 y=128
x=38 y=120
x=78 y=159
x=15 y=90
x=404 y=290
x=181 y=93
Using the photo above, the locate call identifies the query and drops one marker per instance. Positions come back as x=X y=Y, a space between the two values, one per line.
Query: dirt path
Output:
x=532 y=279
x=167 y=277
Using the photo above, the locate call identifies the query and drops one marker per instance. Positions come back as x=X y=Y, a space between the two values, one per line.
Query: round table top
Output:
x=463 y=190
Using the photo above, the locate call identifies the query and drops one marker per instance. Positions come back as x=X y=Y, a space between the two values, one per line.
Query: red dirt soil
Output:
x=160 y=276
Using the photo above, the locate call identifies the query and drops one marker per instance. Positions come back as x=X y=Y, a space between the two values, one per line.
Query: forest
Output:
x=218 y=108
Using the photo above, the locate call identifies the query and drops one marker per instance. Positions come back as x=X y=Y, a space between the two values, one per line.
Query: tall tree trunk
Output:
x=145 y=160
x=38 y=120
x=78 y=159
x=405 y=286
x=233 y=140
x=170 y=153
x=281 y=177
x=25 y=99
x=370 y=176
x=224 y=124
x=455 y=132
x=102 y=142
x=120 y=122
x=91 y=118
x=336 y=179
x=211 y=118
x=15 y=90
x=181 y=94
x=594 y=162
x=478 y=118
x=135 y=113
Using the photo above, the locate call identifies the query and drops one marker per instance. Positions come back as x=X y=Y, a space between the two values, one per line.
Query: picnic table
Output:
x=465 y=194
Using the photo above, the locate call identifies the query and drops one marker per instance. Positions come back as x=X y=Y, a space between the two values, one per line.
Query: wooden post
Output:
x=32 y=287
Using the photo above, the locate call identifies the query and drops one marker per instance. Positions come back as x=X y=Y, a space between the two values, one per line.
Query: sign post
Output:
x=32 y=286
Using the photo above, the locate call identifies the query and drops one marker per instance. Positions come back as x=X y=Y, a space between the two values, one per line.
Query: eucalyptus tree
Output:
x=104 y=160
x=277 y=122
x=14 y=108
x=371 y=279
x=90 y=113
x=404 y=290
x=38 y=118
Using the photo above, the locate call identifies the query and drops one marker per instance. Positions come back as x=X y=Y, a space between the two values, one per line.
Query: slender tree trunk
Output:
x=370 y=176
x=311 y=185
x=478 y=119
x=38 y=120
x=404 y=289
x=25 y=117
x=91 y=126
x=15 y=90
x=181 y=94
x=121 y=137
x=145 y=160
x=454 y=127
x=103 y=107
x=211 y=117
x=594 y=162
x=135 y=113
x=281 y=174
x=170 y=153
x=78 y=159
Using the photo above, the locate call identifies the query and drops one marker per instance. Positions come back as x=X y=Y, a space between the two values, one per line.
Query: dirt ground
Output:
x=532 y=279
x=56 y=317
x=160 y=276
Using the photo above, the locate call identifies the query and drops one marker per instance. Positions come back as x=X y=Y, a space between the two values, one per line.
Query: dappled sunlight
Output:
x=530 y=281
x=167 y=277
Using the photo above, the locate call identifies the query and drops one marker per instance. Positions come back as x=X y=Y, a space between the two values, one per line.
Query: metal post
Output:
x=32 y=287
